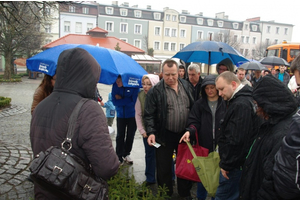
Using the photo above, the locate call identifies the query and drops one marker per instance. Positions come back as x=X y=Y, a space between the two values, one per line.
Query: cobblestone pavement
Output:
x=15 y=149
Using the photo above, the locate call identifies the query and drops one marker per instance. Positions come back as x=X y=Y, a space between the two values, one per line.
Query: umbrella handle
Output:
x=191 y=149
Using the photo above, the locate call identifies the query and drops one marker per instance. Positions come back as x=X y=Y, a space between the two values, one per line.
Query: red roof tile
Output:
x=107 y=42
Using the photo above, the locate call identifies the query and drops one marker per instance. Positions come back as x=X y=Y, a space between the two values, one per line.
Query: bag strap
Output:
x=72 y=124
x=193 y=152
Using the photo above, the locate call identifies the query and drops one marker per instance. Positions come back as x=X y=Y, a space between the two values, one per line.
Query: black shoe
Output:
x=148 y=183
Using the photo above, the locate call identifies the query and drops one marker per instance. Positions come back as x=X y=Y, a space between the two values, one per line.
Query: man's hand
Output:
x=118 y=96
x=185 y=137
x=151 y=140
x=224 y=173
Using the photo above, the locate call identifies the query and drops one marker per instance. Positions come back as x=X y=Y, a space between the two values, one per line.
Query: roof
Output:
x=146 y=59
x=104 y=41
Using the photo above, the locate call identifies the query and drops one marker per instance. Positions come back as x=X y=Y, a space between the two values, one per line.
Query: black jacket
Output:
x=238 y=130
x=200 y=119
x=285 y=167
x=155 y=114
x=278 y=102
x=197 y=89
x=77 y=76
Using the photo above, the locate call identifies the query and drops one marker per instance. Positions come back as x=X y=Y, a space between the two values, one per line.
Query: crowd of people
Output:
x=251 y=117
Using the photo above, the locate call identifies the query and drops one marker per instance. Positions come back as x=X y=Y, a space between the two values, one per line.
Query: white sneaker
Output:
x=128 y=160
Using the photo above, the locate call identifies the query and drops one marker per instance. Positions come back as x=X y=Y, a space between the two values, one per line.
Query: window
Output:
x=254 y=40
x=156 y=45
x=137 y=29
x=182 y=19
x=268 y=29
x=157 y=16
x=235 y=25
x=242 y=51
x=210 y=22
x=182 y=33
x=254 y=27
x=243 y=39
x=124 y=39
x=167 y=31
x=67 y=26
x=48 y=28
x=109 y=10
x=89 y=26
x=72 y=9
x=247 y=39
x=276 y=41
x=267 y=41
x=174 y=18
x=174 y=33
x=210 y=35
x=199 y=35
x=157 y=31
x=277 y=30
x=220 y=23
x=166 y=46
x=78 y=27
x=246 y=26
x=137 y=43
x=200 y=21
x=246 y=52
x=167 y=17
x=181 y=46
x=235 y=38
x=85 y=10
x=123 y=12
x=138 y=13
x=123 y=28
x=109 y=26
x=173 y=46
x=253 y=52
x=286 y=31
x=221 y=37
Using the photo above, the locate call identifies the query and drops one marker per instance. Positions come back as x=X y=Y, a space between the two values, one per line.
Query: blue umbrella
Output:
x=209 y=52
x=113 y=63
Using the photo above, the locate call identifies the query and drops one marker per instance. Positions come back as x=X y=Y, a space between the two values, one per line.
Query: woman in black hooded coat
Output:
x=276 y=105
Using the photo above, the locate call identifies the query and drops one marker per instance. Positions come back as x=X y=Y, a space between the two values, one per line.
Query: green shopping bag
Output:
x=208 y=170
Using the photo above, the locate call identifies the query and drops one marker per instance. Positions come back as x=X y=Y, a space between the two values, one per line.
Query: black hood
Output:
x=275 y=98
x=77 y=72
x=208 y=80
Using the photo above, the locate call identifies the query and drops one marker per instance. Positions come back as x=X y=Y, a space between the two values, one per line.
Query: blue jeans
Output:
x=229 y=189
x=150 y=162
x=201 y=192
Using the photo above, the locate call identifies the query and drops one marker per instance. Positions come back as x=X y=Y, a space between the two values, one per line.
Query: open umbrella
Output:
x=113 y=63
x=274 y=61
x=209 y=52
x=253 y=65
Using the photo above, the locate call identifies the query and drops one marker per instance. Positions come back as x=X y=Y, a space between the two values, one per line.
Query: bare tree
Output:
x=260 y=50
x=227 y=37
x=20 y=23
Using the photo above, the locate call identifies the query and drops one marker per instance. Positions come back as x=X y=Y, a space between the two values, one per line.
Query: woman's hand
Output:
x=145 y=135
x=185 y=137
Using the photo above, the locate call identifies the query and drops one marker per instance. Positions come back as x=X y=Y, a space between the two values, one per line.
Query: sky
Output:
x=288 y=11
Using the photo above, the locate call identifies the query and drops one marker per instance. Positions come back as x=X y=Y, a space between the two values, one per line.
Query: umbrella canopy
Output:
x=113 y=63
x=253 y=65
x=209 y=52
x=274 y=61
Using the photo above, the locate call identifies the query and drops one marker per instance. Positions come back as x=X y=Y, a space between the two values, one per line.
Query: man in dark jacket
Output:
x=166 y=111
x=276 y=105
x=283 y=76
x=237 y=133
x=124 y=99
x=77 y=76
x=194 y=77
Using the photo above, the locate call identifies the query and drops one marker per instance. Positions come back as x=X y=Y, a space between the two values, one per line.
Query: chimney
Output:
x=166 y=8
x=185 y=12
x=148 y=7
x=125 y=4
x=115 y=3
x=135 y=6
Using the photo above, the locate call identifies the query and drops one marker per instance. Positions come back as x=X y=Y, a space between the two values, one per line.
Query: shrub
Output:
x=124 y=186
x=4 y=102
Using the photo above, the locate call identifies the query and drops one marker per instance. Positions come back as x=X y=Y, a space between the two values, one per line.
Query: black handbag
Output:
x=60 y=171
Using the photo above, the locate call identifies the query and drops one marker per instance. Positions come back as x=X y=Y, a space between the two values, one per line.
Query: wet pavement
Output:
x=15 y=150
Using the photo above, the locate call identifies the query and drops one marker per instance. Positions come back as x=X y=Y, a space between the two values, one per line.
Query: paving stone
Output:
x=5 y=188
x=2 y=171
x=14 y=182
x=2 y=181
x=11 y=162
x=13 y=171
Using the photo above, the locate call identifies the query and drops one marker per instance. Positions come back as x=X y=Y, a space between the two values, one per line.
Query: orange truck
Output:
x=287 y=51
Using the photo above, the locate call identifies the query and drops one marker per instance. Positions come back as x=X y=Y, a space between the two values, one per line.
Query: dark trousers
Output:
x=126 y=128
x=164 y=162
x=150 y=162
